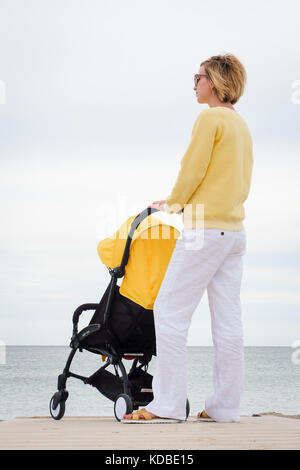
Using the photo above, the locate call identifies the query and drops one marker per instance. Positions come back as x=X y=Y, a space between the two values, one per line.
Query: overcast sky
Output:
x=99 y=109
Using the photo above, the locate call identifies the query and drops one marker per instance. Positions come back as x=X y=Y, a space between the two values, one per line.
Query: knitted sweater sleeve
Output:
x=195 y=161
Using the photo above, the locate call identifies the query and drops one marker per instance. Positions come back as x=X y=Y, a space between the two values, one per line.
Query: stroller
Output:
x=122 y=325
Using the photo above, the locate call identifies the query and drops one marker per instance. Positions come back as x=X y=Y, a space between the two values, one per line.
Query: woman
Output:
x=212 y=185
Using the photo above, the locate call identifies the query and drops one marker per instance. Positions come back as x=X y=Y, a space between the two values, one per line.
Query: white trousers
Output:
x=202 y=259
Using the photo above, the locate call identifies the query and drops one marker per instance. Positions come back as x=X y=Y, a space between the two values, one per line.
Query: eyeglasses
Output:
x=197 y=77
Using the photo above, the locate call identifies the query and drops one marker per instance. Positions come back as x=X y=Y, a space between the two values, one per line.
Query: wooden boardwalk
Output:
x=268 y=431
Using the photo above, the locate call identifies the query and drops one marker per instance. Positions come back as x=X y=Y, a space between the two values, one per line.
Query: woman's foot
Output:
x=140 y=414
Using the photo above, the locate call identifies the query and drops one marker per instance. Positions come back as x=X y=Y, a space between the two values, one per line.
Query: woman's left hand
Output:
x=158 y=205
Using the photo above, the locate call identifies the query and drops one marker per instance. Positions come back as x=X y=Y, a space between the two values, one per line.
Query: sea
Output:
x=28 y=380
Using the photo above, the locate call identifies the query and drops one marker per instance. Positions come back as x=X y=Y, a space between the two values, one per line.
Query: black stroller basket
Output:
x=119 y=329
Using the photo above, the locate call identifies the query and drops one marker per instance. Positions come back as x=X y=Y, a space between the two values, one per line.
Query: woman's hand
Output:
x=158 y=205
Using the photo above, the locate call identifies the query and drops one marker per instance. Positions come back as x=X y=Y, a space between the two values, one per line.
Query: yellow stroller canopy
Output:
x=151 y=249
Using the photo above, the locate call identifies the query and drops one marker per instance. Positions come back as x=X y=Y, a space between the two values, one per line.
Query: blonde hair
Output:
x=227 y=76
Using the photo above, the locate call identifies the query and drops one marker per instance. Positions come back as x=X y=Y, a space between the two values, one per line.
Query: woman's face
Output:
x=203 y=89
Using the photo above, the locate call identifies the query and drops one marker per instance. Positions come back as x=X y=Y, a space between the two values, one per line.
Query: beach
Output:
x=270 y=431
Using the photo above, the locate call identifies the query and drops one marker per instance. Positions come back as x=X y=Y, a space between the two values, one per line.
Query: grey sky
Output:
x=100 y=108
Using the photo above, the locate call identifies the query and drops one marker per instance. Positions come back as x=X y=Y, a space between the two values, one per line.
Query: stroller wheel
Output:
x=59 y=410
x=187 y=408
x=123 y=405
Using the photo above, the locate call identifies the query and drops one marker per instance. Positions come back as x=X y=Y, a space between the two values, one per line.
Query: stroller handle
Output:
x=120 y=270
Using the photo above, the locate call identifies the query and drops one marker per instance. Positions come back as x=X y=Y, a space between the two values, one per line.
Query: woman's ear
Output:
x=211 y=86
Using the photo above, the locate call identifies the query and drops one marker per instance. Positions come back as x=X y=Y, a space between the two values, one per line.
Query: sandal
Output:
x=203 y=416
x=147 y=418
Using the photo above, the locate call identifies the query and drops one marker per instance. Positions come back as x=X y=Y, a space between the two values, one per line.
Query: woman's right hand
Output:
x=158 y=204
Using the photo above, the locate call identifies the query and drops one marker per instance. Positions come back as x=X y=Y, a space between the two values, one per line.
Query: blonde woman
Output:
x=211 y=187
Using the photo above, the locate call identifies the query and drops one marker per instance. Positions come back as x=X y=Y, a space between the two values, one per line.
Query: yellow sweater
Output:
x=215 y=174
